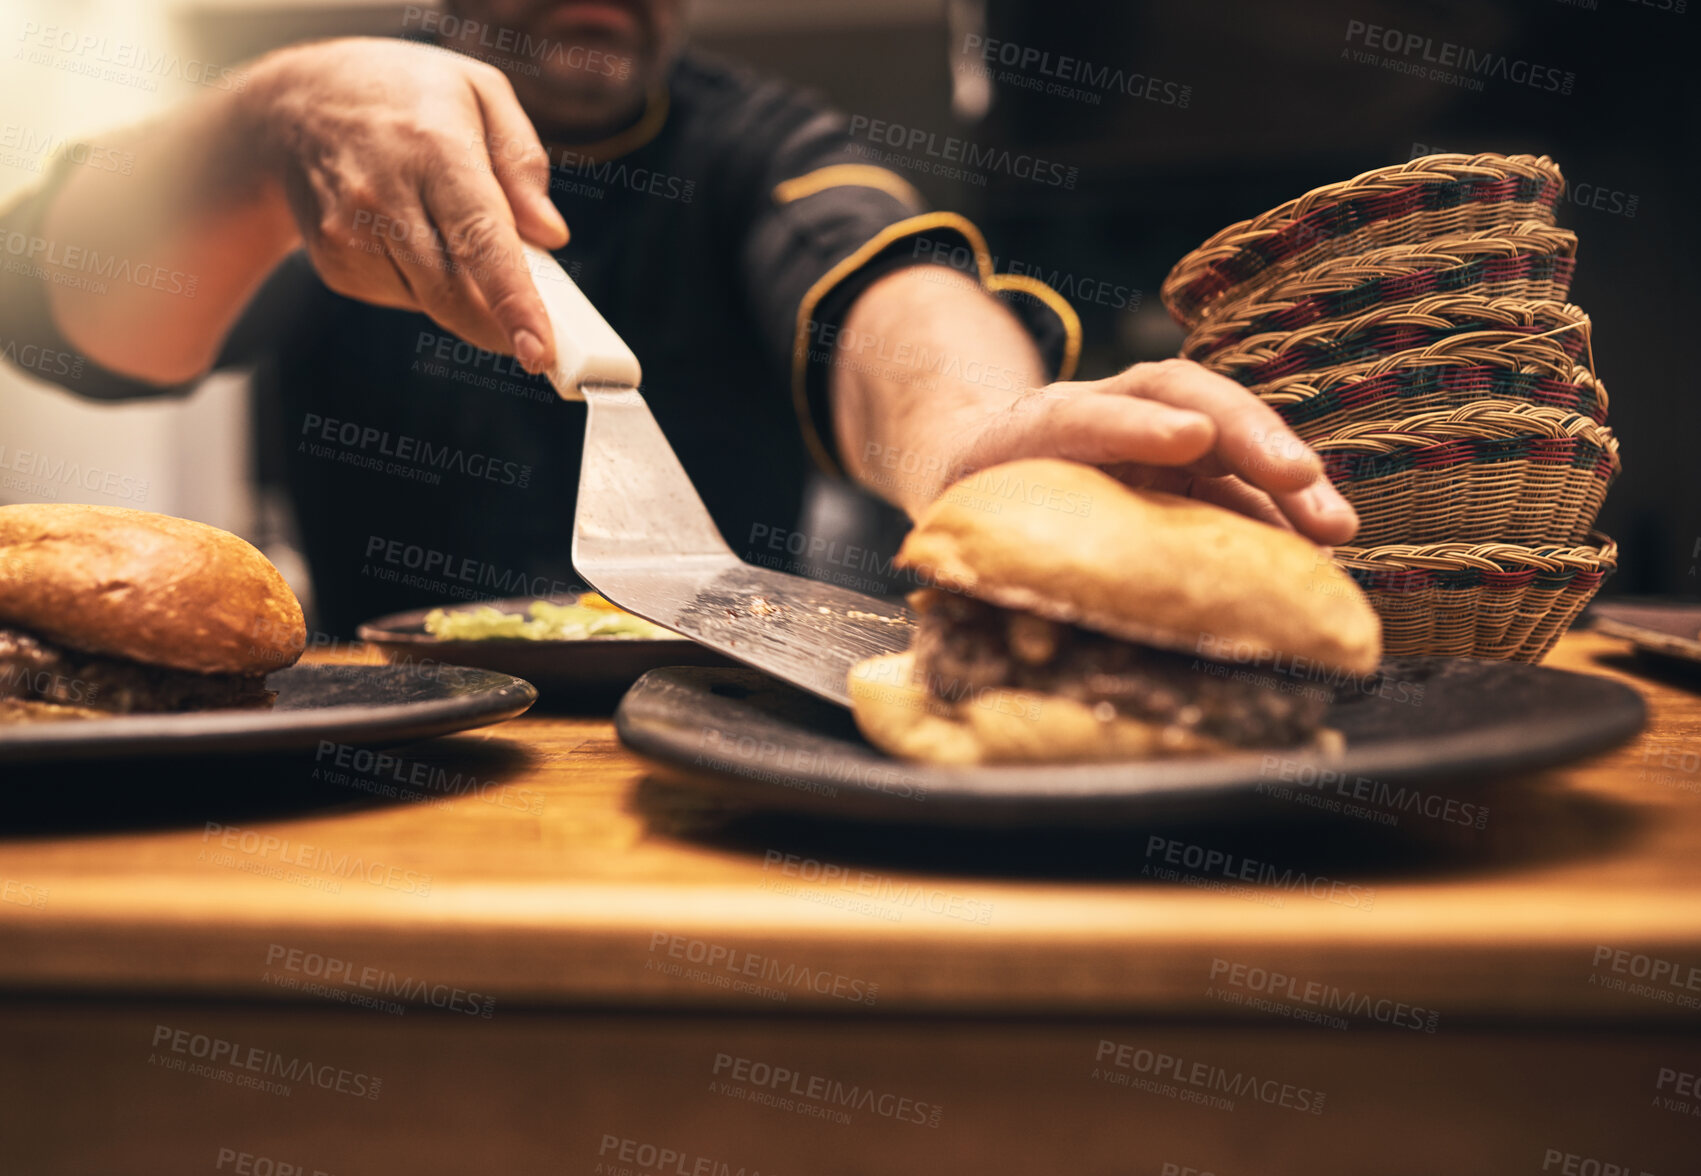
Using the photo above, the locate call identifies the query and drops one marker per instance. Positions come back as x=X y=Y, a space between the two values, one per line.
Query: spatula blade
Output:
x=800 y=630
x=643 y=539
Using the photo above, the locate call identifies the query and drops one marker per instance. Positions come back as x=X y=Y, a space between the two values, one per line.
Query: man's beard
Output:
x=576 y=79
x=587 y=89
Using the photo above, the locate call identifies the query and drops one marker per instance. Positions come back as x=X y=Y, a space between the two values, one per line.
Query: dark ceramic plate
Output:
x=1669 y=631
x=592 y=669
x=760 y=743
x=363 y=705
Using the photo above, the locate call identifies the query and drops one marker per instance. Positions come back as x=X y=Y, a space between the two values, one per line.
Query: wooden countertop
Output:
x=550 y=867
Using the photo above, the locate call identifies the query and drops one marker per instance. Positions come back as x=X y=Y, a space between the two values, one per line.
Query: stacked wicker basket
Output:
x=1411 y=325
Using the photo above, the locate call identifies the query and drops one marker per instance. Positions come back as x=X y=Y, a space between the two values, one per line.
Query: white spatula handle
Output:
x=587 y=351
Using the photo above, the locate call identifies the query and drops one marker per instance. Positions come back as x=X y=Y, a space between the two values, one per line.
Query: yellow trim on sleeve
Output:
x=1059 y=306
x=848 y=175
x=896 y=231
x=844 y=269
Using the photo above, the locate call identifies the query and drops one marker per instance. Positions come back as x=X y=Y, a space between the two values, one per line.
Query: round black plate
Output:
x=364 y=705
x=745 y=735
x=595 y=668
x=1664 y=630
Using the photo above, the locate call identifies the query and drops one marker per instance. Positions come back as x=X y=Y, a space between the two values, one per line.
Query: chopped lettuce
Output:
x=591 y=617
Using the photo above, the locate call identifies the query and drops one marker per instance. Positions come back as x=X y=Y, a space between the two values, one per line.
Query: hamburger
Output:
x=107 y=610
x=1069 y=617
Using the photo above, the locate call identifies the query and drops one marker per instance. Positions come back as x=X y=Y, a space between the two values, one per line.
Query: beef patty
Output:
x=964 y=646
x=32 y=668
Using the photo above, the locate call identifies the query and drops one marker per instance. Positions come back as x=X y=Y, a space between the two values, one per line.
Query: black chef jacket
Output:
x=720 y=235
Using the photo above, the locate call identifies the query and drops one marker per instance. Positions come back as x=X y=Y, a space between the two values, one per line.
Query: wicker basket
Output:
x=1410 y=326
x=1492 y=471
x=1537 y=354
x=1490 y=600
x=1529 y=260
x=1318 y=404
x=1429 y=197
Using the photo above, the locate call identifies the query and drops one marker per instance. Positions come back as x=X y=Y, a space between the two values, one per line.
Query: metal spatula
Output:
x=642 y=537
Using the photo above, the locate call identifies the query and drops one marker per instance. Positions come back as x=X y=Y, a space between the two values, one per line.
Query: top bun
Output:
x=1071 y=543
x=149 y=587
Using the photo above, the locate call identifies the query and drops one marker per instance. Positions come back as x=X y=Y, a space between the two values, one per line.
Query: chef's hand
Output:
x=1174 y=426
x=1170 y=425
x=413 y=175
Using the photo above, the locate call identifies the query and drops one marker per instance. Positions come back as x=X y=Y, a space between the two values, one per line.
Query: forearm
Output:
x=934 y=379
x=925 y=360
x=148 y=271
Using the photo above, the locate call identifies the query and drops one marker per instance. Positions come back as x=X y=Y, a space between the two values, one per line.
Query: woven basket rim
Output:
x=1511 y=350
x=1444 y=168
x=1480 y=419
x=1438 y=309
x=1300 y=387
x=1334 y=274
x=1502 y=241
x=1601 y=553
x=1435 y=310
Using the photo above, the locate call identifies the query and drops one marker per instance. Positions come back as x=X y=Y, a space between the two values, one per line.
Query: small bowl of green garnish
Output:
x=589 y=617
x=577 y=649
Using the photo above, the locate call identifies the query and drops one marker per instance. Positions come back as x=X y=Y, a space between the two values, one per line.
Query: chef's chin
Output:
x=582 y=68
x=585 y=87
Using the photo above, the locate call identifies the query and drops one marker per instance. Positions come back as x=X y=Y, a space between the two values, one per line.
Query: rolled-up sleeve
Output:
x=826 y=224
x=30 y=338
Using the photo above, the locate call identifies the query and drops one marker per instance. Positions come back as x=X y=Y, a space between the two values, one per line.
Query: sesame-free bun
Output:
x=1070 y=543
x=149 y=587
x=894 y=711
